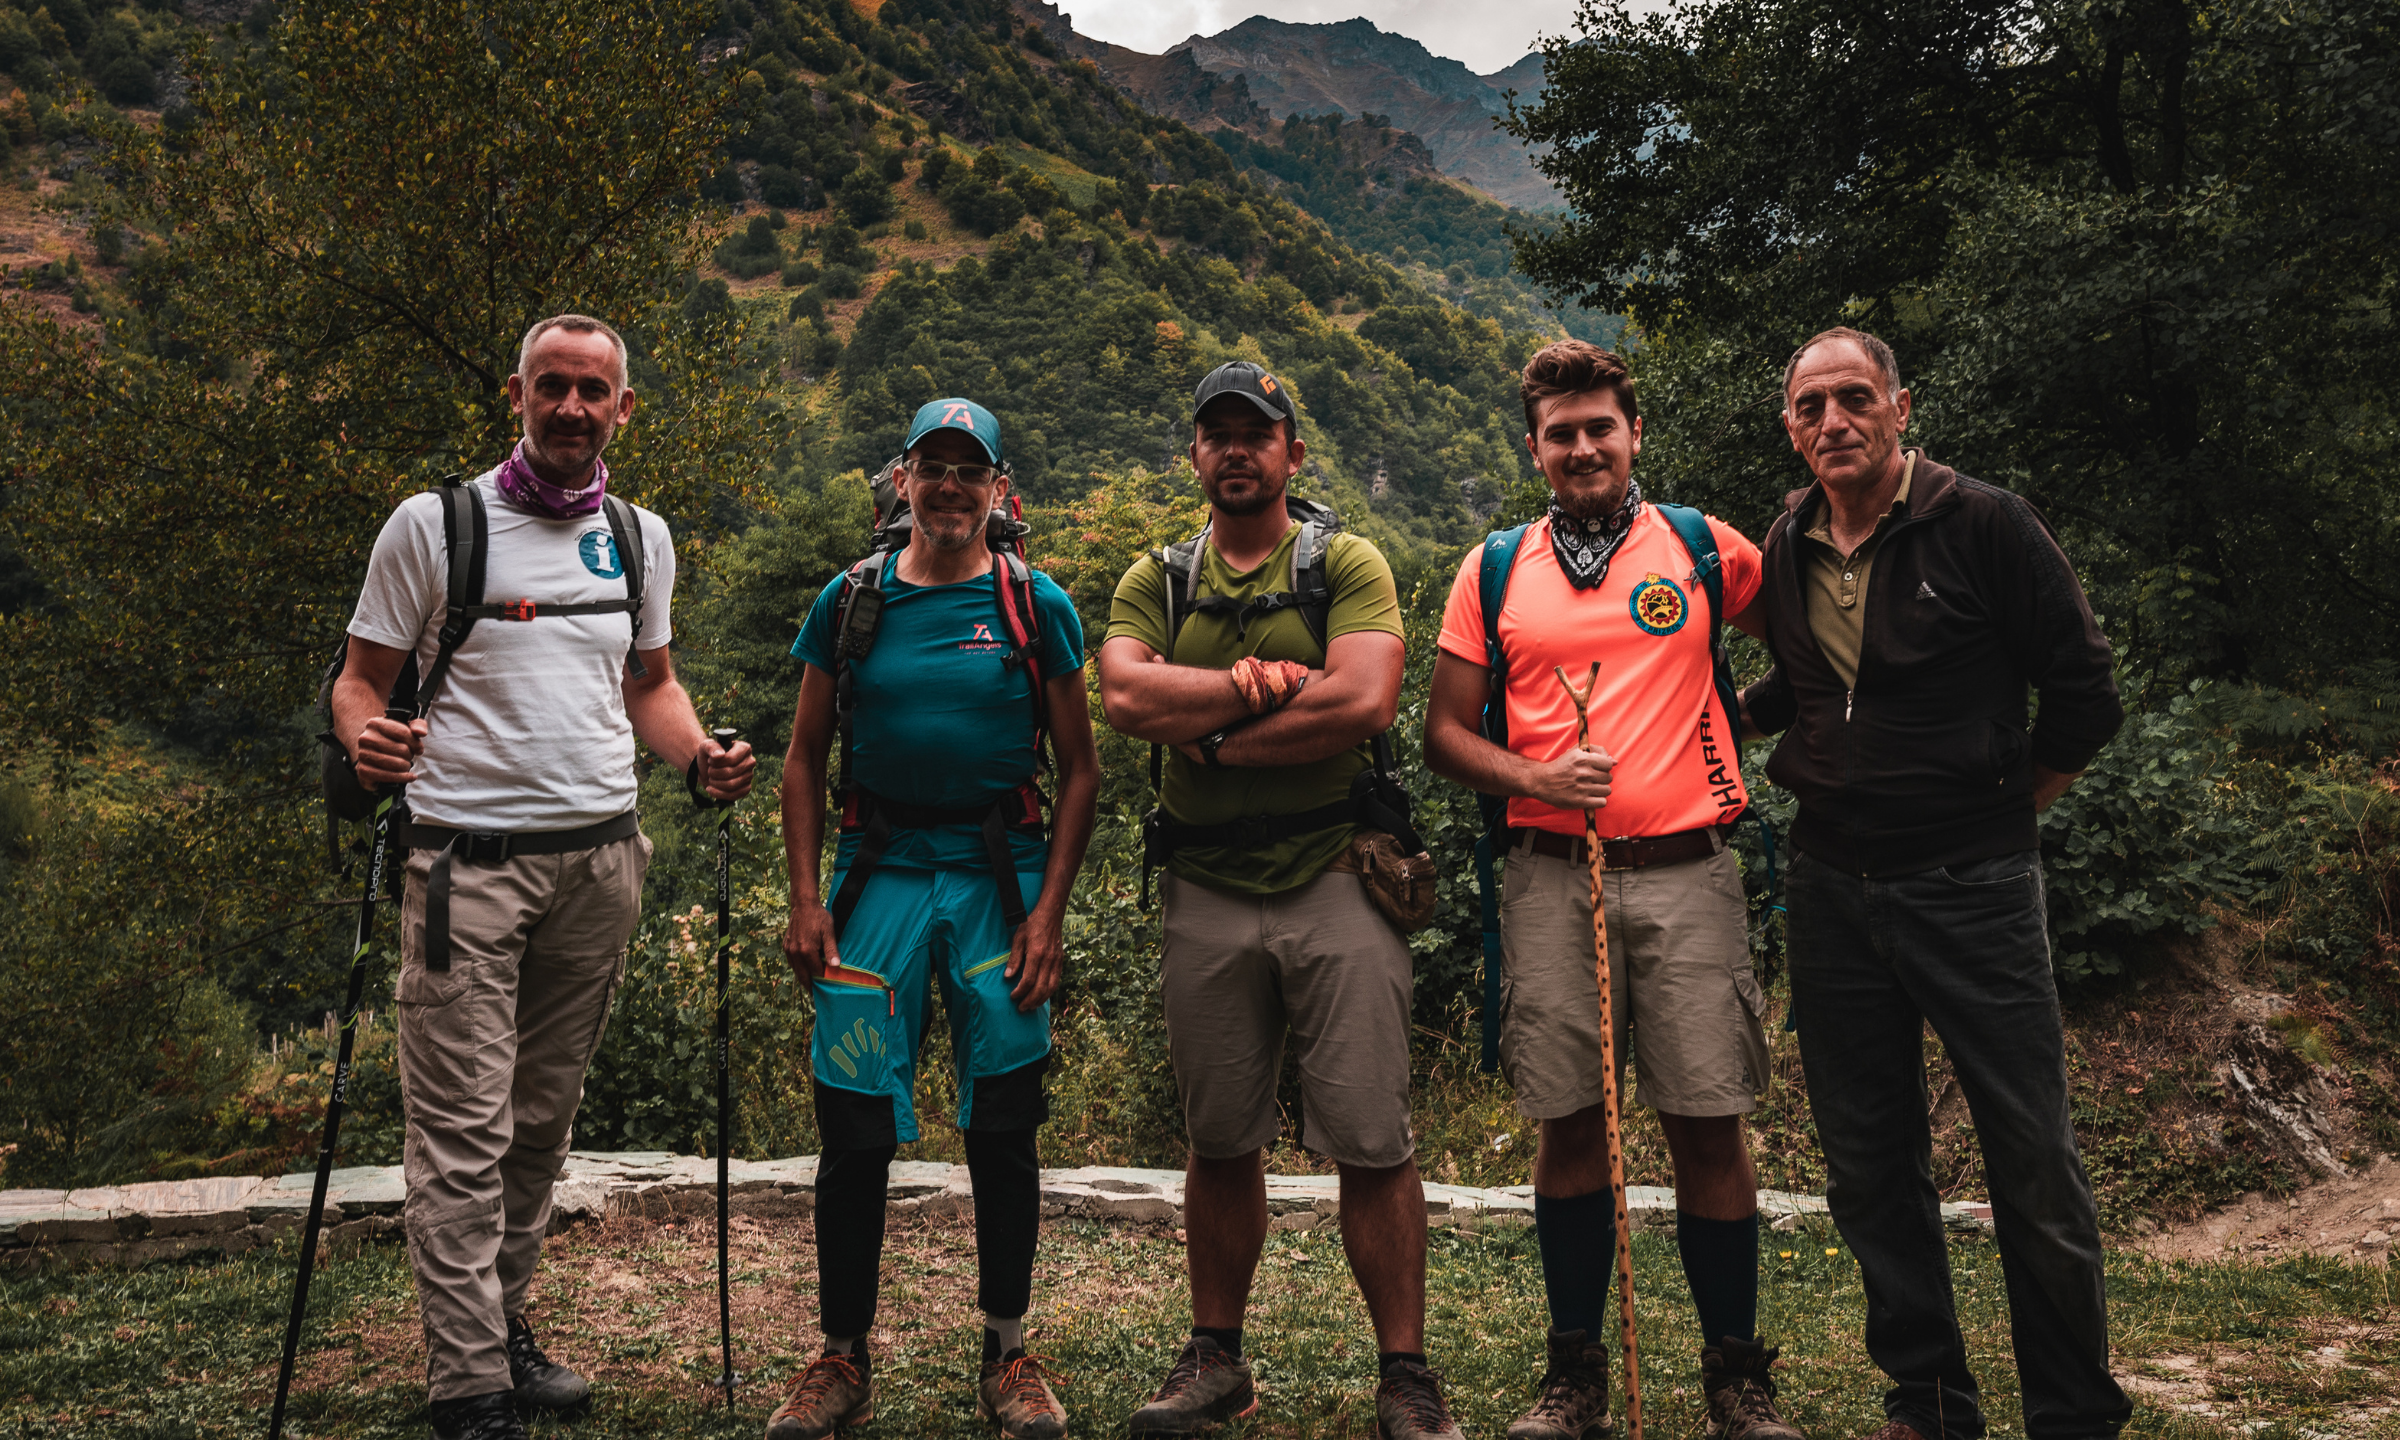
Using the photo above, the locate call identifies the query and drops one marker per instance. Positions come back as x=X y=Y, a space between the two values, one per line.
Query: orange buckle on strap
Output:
x=517 y=610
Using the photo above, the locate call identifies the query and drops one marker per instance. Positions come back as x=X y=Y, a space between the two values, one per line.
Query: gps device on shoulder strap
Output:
x=466 y=544
x=1377 y=798
x=857 y=621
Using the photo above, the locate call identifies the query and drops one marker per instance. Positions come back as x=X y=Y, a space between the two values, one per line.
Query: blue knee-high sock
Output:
x=1578 y=1236
x=1720 y=1261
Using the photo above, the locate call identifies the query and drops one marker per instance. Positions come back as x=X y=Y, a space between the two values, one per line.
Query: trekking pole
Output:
x=725 y=739
x=377 y=854
x=1608 y=1067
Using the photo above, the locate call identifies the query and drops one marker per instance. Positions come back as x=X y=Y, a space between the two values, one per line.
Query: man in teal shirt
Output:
x=942 y=873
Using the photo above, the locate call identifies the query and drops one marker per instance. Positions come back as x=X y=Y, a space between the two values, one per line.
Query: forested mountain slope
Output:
x=963 y=212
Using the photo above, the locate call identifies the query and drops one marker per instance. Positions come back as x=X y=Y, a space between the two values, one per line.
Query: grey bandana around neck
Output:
x=1584 y=546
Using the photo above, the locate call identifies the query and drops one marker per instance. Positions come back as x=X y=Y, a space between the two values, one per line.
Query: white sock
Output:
x=1010 y=1331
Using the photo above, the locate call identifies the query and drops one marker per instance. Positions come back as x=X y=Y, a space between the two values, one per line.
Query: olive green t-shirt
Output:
x=1364 y=598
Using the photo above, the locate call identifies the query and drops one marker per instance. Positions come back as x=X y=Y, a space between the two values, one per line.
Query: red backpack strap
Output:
x=1012 y=583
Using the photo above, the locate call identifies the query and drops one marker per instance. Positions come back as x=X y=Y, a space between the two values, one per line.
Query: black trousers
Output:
x=1964 y=948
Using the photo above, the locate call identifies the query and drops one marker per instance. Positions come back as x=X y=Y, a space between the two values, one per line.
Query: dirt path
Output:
x=2349 y=1219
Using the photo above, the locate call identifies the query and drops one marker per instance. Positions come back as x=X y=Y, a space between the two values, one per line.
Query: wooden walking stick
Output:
x=1608 y=1066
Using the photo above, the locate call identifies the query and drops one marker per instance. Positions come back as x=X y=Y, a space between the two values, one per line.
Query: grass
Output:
x=2299 y=1348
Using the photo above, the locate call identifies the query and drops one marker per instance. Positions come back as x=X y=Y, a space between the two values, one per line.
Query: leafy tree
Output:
x=361 y=222
x=751 y=251
x=332 y=264
x=865 y=197
x=2135 y=258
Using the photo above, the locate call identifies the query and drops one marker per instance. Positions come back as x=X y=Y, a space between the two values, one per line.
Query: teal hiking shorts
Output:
x=913 y=929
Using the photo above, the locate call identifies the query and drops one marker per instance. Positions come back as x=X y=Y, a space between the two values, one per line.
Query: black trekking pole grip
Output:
x=725 y=738
x=378 y=855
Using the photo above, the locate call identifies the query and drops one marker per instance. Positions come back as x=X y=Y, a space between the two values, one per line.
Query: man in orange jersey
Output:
x=1605 y=576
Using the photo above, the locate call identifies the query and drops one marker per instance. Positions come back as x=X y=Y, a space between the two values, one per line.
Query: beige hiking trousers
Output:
x=492 y=1057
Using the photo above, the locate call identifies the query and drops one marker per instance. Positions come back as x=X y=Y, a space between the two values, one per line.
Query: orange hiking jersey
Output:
x=1678 y=761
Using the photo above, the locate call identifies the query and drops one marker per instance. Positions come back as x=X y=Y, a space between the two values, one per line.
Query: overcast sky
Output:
x=1487 y=34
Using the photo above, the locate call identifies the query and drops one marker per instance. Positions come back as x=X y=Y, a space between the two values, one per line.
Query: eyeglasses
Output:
x=936 y=472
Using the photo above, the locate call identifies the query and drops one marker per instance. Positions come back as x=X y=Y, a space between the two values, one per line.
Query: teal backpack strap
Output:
x=1692 y=527
x=1707 y=568
x=1499 y=561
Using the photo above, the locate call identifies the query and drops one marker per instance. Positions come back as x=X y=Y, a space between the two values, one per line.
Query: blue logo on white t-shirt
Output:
x=598 y=550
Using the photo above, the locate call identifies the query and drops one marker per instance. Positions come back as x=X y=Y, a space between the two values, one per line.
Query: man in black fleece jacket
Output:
x=1910 y=609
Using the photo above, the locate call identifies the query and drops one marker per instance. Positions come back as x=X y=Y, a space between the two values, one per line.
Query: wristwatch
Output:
x=1208 y=749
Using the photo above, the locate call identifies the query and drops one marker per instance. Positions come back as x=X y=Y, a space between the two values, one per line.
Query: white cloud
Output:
x=1487 y=35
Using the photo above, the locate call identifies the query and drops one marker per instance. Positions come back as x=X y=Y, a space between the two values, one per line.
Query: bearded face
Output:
x=1244 y=459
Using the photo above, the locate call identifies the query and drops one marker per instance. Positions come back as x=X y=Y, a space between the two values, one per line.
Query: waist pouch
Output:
x=1401 y=885
x=486 y=848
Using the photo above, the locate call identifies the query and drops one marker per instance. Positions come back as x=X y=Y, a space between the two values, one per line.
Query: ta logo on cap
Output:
x=1266 y=383
x=957 y=415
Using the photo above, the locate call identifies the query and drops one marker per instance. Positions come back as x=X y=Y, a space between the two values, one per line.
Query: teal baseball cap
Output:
x=956 y=414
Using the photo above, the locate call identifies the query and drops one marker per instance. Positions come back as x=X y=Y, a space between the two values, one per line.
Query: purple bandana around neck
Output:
x=521 y=487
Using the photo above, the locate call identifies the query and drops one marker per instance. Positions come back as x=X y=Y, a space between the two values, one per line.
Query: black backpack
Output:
x=466 y=541
x=1377 y=798
x=856 y=623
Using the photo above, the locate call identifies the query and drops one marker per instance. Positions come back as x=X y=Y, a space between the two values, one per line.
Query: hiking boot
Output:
x=1207 y=1387
x=478 y=1417
x=833 y=1392
x=541 y=1384
x=1741 y=1394
x=1897 y=1430
x=1408 y=1405
x=1014 y=1393
x=1574 y=1403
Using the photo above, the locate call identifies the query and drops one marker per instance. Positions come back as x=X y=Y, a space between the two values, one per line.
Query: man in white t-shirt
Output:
x=527 y=860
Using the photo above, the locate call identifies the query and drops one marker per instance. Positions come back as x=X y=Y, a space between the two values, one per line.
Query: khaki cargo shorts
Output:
x=1320 y=962
x=1679 y=978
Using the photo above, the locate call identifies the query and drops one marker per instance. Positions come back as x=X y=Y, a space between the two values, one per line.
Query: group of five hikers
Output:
x=1908 y=610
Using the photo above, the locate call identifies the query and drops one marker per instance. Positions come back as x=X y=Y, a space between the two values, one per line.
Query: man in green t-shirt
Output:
x=1268 y=927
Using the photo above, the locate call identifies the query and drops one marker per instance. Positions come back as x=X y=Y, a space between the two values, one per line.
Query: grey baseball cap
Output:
x=1252 y=383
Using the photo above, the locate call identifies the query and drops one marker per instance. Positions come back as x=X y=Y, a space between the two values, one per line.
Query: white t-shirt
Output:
x=529 y=732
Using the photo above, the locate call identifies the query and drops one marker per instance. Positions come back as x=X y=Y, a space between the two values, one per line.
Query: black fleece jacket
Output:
x=1928 y=760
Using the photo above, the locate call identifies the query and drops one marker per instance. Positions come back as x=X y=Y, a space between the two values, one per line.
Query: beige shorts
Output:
x=1319 y=961
x=1679 y=978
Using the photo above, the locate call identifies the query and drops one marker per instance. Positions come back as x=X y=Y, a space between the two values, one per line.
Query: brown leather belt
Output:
x=1626 y=852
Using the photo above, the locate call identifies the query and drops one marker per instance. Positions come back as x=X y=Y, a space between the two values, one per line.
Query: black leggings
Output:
x=1005 y=1171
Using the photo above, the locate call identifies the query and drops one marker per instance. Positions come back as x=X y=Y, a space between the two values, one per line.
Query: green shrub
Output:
x=935 y=170
x=841 y=282
x=705 y=301
x=2147 y=841
x=799 y=273
x=842 y=245
x=865 y=197
x=750 y=252
x=724 y=187
x=981 y=206
x=914 y=230
x=778 y=185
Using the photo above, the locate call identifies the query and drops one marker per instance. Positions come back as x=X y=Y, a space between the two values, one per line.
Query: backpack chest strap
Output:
x=539 y=609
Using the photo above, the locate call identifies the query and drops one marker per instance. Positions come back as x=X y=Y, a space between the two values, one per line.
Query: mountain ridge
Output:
x=1262 y=71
